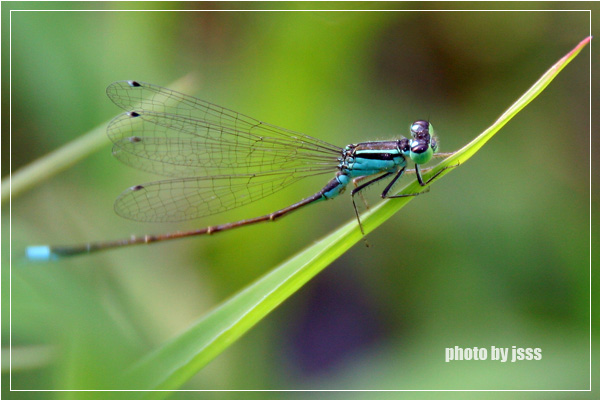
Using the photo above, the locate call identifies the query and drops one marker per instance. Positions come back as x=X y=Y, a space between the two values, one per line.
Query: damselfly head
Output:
x=422 y=144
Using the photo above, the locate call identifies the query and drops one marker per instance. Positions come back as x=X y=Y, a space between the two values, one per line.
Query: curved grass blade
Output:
x=173 y=364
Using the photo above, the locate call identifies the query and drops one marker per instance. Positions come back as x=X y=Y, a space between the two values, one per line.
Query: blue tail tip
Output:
x=39 y=253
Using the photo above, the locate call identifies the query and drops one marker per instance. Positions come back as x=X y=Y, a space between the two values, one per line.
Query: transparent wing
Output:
x=189 y=198
x=173 y=145
x=222 y=159
x=141 y=96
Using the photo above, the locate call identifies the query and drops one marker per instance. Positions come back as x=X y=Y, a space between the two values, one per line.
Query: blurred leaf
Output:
x=66 y=156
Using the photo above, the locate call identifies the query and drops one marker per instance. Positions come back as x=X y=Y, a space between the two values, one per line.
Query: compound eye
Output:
x=419 y=147
x=419 y=127
x=420 y=151
x=434 y=144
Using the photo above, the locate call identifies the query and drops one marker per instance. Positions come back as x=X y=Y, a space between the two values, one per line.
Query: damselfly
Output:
x=218 y=160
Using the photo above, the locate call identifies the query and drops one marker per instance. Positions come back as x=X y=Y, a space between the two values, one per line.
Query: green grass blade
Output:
x=177 y=361
x=66 y=156
x=52 y=163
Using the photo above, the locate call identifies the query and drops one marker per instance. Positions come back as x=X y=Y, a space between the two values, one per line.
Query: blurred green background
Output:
x=497 y=254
